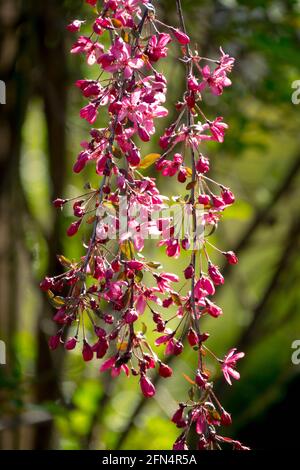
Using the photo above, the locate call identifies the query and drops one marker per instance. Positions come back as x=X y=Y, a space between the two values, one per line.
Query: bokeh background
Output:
x=54 y=400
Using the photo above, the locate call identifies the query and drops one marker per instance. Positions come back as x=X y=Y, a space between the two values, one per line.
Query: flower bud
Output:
x=228 y=196
x=147 y=386
x=178 y=415
x=131 y=315
x=87 y=351
x=70 y=344
x=231 y=257
x=165 y=371
x=204 y=199
x=215 y=274
x=59 y=202
x=181 y=37
x=201 y=379
x=182 y=175
x=177 y=348
x=192 y=337
x=54 y=341
x=73 y=229
x=185 y=243
x=46 y=284
x=202 y=165
x=189 y=272
x=225 y=418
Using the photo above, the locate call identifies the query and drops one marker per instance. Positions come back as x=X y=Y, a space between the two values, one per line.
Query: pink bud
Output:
x=54 y=341
x=192 y=337
x=181 y=37
x=180 y=444
x=165 y=371
x=178 y=415
x=212 y=309
x=70 y=344
x=147 y=386
x=109 y=319
x=131 y=315
x=182 y=175
x=87 y=352
x=177 y=348
x=225 y=418
x=133 y=264
x=228 y=196
x=217 y=201
x=59 y=202
x=189 y=272
x=231 y=257
x=78 y=210
x=202 y=165
x=185 y=243
x=46 y=284
x=74 y=26
x=73 y=229
x=204 y=199
x=215 y=274
x=116 y=265
x=201 y=379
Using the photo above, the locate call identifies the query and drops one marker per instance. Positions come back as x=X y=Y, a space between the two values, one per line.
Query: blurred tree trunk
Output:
x=32 y=60
x=53 y=89
x=14 y=71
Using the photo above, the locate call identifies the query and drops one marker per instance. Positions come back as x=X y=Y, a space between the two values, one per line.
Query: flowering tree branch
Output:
x=104 y=294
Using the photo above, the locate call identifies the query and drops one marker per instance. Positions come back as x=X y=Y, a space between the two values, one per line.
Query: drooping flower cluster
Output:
x=99 y=299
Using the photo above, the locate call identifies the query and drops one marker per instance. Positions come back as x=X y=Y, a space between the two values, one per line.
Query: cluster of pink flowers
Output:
x=100 y=298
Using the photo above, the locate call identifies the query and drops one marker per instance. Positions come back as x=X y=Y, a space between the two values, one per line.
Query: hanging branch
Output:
x=123 y=211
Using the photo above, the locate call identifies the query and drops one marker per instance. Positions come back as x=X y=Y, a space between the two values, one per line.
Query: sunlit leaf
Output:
x=149 y=160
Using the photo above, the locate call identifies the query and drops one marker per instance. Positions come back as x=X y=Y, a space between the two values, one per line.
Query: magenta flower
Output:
x=229 y=363
x=218 y=128
x=119 y=58
x=157 y=46
x=89 y=112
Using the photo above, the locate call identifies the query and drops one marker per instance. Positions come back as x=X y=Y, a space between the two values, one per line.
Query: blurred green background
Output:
x=53 y=400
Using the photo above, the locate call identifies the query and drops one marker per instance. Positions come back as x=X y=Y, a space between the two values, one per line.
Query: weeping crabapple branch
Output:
x=100 y=299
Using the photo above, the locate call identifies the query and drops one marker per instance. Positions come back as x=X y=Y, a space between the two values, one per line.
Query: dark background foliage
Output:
x=53 y=400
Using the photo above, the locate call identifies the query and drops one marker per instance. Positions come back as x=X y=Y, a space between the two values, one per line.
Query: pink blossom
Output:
x=217 y=128
x=89 y=112
x=119 y=58
x=157 y=46
x=163 y=281
x=229 y=363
